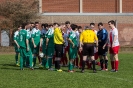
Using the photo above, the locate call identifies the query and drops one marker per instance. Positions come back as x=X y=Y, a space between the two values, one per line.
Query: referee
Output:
x=87 y=39
x=58 y=41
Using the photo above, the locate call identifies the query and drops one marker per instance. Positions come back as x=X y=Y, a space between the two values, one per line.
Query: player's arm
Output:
x=32 y=38
x=27 y=42
x=96 y=41
x=47 y=40
x=70 y=40
x=81 y=42
x=16 y=41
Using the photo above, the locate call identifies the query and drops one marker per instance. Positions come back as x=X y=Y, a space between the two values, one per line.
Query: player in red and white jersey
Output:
x=114 y=46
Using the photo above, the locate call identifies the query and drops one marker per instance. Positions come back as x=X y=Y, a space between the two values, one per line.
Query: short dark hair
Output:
x=42 y=25
x=31 y=23
x=92 y=24
x=45 y=25
x=79 y=27
x=74 y=26
x=27 y=23
x=112 y=22
x=23 y=25
x=67 y=22
x=36 y=22
x=100 y=24
x=50 y=25
x=56 y=24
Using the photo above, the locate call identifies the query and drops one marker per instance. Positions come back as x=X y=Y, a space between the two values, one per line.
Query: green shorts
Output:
x=72 y=53
x=24 y=52
x=34 y=50
x=50 y=51
x=17 y=50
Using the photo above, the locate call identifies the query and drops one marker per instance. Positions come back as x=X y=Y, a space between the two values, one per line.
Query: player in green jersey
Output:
x=24 y=45
x=35 y=37
x=16 y=45
x=49 y=46
x=72 y=38
x=43 y=43
x=29 y=58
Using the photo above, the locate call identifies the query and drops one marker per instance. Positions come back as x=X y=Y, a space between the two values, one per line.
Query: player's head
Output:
x=19 y=27
x=68 y=24
x=32 y=25
x=92 y=25
x=80 y=29
x=50 y=26
x=63 y=27
x=23 y=25
x=55 y=25
x=37 y=25
x=28 y=25
x=46 y=26
x=42 y=25
x=100 y=25
x=111 y=24
x=74 y=27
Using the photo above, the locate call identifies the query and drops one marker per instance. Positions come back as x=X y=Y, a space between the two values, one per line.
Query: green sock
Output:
x=16 y=58
x=50 y=62
x=30 y=60
x=27 y=61
x=21 y=62
x=44 y=62
x=24 y=61
x=47 y=64
x=70 y=66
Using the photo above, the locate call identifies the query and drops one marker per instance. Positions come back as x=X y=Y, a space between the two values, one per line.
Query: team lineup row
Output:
x=66 y=43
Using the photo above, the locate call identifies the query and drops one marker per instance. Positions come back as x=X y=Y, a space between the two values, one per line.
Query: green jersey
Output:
x=73 y=37
x=35 y=34
x=28 y=34
x=16 y=36
x=50 y=36
x=22 y=38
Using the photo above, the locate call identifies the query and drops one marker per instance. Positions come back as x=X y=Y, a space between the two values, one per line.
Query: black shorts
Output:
x=88 y=49
x=59 y=50
x=102 y=51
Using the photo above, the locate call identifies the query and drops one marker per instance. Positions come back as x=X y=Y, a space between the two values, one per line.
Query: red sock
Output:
x=113 y=64
x=116 y=65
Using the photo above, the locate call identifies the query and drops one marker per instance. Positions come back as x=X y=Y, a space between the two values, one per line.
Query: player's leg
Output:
x=30 y=60
x=91 y=54
x=105 y=57
x=73 y=55
x=16 y=55
x=59 y=54
x=112 y=59
x=100 y=53
x=22 y=56
x=115 y=51
x=85 y=54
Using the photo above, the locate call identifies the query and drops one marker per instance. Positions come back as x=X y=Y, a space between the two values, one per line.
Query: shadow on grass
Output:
x=9 y=68
x=13 y=65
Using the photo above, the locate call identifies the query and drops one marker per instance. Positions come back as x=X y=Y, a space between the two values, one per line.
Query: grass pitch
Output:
x=12 y=77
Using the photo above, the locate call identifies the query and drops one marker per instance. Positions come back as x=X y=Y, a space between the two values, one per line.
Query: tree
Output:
x=14 y=12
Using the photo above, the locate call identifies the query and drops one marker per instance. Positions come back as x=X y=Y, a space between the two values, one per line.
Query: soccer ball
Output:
x=41 y=55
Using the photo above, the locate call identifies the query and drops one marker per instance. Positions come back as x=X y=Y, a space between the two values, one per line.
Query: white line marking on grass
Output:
x=122 y=79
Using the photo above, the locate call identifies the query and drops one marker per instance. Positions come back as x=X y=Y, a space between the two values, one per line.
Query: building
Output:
x=82 y=12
